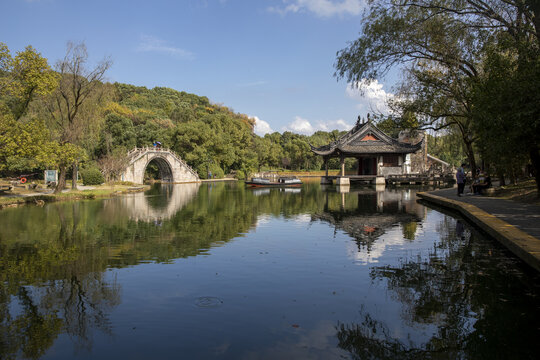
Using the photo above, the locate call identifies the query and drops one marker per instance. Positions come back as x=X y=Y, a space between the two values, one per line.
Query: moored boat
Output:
x=289 y=181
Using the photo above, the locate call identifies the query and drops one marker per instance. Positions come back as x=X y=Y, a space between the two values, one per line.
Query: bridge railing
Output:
x=136 y=152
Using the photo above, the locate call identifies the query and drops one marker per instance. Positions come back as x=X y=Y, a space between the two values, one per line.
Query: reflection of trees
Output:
x=84 y=304
x=372 y=340
x=409 y=230
x=469 y=289
x=67 y=294
x=29 y=333
x=53 y=259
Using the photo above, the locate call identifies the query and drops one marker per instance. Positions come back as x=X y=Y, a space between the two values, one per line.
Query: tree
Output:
x=24 y=140
x=77 y=86
x=113 y=164
x=23 y=145
x=117 y=132
x=440 y=57
x=24 y=77
x=444 y=45
x=65 y=154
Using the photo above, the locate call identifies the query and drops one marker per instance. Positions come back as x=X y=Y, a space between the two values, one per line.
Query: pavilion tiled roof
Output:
x=366 y=138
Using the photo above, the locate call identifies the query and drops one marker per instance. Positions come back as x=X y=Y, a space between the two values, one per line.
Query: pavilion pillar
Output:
x=325 y=180
x=326 y=165
x=343 y=181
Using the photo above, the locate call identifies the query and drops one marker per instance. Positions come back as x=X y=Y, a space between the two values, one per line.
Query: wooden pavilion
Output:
x=378 y=154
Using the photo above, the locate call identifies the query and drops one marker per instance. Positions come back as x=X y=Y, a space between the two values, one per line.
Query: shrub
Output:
x=217 y=172
x=92 y=176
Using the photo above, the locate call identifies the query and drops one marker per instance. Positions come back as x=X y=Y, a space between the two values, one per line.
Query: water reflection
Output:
x=52 y=282
x=187 y=259
x=158 y=204
x=366 y=214
x=467 y=288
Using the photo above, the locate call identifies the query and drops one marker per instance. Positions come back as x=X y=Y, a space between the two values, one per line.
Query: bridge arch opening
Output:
x=158 y=169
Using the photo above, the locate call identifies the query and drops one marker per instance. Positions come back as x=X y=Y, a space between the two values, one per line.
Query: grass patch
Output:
x=524 y=192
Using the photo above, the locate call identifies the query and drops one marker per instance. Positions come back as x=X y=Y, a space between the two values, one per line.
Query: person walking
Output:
x=460 y=178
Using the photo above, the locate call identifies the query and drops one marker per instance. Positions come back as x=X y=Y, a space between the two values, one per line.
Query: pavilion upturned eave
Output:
x=365 y=139
x=366 y=150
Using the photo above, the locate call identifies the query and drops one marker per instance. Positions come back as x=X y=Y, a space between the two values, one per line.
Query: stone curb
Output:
x=521 y=244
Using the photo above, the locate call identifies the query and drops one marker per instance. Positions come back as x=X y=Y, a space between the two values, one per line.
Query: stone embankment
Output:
x=515 y=225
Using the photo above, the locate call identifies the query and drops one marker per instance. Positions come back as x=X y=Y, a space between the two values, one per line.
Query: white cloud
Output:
x=261 y=126
x=300 y=126
x=322 y=8
x=153 y=44
x=339 y=124
x=371 y=97
x=304 y=126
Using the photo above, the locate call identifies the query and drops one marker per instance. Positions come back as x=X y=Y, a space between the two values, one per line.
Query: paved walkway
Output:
x=523 y=216
x=515 y=225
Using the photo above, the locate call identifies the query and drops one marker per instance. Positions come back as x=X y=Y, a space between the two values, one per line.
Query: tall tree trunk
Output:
x=75 y=175
x=61 y=180
x=500 y=175
x=535 y=160
x=513 y=179
x=470 y=155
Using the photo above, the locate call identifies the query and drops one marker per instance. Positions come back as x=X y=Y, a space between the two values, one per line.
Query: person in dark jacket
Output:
x=460 y=178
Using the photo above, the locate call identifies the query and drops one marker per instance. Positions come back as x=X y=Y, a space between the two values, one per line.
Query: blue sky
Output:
x=272 y=60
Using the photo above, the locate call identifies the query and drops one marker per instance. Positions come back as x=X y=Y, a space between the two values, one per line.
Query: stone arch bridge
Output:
x=172 y=169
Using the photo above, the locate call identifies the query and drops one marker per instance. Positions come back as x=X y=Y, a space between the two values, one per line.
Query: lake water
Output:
x=204 y=271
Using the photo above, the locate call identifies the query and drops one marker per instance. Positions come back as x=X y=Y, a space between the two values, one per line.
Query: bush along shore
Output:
x=19 y=196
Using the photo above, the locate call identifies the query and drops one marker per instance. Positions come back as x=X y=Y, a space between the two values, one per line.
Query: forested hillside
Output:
x=69 y=118
x=209 y=137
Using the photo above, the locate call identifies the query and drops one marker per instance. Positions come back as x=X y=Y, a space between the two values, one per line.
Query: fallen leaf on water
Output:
x=369 y=229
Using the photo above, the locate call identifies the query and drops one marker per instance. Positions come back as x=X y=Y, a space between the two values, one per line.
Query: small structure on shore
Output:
x=379 y=156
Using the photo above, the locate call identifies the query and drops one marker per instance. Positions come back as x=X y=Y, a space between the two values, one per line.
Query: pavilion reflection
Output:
x=368 y=213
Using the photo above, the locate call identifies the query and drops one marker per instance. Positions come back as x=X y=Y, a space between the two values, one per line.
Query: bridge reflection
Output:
x=153 y=206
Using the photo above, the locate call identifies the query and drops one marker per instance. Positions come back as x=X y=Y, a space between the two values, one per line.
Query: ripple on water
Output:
x=208 y=302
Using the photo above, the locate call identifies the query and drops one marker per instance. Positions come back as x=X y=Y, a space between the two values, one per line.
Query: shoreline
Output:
x=40 y=199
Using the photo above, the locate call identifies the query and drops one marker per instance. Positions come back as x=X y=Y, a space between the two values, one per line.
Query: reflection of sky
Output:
x=391 y=239
x=302 y=219
x=314 y=343
x=263 y=219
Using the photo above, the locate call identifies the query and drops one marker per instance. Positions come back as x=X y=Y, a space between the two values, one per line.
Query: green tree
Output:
x=439 y=54
x=118 y=131
x=507 y=108
x=24 y=138
x=445 y=45
x=24 y=145
x=24 y=77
